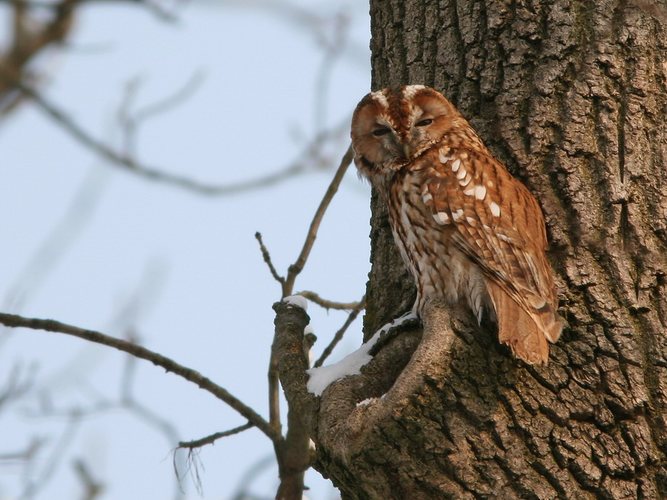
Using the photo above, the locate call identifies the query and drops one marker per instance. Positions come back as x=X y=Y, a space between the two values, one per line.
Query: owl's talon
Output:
x=408 y=321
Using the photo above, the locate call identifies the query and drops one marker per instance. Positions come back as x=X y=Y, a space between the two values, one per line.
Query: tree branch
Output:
x=288 y=349
x=198 y=443
x=155 y=174
x=92 y=488
x=138 y=351
x=339 y=334
x=330 y=304
x=297 y=267
x=160 y=12
x=267 y=258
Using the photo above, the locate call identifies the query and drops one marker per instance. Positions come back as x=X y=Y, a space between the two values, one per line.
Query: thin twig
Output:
x=198 y=443
x=160 y=12
x=56 y=243
x=339 y=334
x=297 y=267
x=288 y=286
x=26 y=455
x=28 y=38
x=169 y=102
x=333 y=49
x=16 y=385
x=92 y=487
x=130 y=121
x=53 y=461
x=155 y=174
x=328 y=304
x=267 y=258
x=141 y=352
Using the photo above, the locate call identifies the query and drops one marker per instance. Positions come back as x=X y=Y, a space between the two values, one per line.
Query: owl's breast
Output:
x=412 y=211
x=439 y=268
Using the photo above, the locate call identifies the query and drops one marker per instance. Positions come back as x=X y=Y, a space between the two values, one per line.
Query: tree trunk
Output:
x=571 y=96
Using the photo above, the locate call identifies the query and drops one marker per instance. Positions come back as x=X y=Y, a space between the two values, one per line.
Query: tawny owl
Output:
x=464 y=226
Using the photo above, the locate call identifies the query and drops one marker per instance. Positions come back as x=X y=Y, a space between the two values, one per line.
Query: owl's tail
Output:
x=526 y=333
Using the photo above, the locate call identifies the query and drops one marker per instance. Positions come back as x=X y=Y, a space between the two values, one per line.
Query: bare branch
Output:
x=55 y=243
x=332 y=51
x=198 y=443
x=29 y=37
x=329 y=304
x=159 y=11
x=169 y=102
x=51 y=464
x=16 y=385
x=27 y=454
x=297 y=267
x=131 y=165
x=267 y=258
x=339 y=334
x=288 y=348
x=287 y=288
x=92 y=488
x=130 y=121
x=288 y=284
x=143 y=353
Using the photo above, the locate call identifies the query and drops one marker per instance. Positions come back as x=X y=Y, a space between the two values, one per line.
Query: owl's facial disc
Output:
x=390 y=140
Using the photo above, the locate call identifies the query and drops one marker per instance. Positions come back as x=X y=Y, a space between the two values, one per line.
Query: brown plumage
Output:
x=464 y=226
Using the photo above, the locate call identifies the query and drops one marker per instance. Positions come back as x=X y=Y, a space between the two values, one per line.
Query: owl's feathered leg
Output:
x=525 y=334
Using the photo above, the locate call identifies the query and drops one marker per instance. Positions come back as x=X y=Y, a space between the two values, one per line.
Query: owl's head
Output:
x=393 y=126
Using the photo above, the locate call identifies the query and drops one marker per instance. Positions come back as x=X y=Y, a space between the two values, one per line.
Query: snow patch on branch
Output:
x=365 y=402
x=322 y=377
x=297 y=301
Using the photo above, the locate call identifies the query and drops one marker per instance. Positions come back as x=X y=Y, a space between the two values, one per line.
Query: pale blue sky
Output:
x=210 y=302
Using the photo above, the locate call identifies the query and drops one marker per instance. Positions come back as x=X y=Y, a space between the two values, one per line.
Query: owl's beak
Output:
x=406 y=150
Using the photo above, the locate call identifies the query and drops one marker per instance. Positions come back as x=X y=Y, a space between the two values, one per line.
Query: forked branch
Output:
x=141 y=352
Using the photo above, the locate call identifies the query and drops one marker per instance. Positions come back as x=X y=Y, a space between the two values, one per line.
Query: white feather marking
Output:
x=465 y=182
x=441 y=218
x=495 y=209
x=455 y=165
x=480 y=192
x=504 y=238
x=409 y=91
x=470 y=191
x=457 y=215
x=444 y=158
x=461 y=173
x=427 y=198
x=536 y=301
x=472 y=221
x=380 y=98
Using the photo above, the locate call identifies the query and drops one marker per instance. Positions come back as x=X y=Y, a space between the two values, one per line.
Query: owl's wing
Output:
x=498 y=224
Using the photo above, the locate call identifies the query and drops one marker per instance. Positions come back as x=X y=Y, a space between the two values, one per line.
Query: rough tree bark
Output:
x=572 y=97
